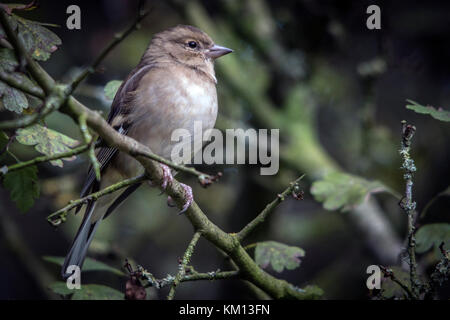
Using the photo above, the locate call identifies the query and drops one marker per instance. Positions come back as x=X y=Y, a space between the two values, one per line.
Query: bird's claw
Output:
x=167 y=176
x=189 y=196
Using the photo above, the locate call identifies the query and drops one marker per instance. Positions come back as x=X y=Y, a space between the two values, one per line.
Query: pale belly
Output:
x=167 y=108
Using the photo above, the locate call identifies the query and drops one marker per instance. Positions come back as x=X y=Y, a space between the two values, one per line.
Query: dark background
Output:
x=321 y=46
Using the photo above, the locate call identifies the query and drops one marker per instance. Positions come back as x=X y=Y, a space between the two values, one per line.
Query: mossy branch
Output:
x=409 y=206
x=60 y=216
x=190 y=275
x=42 y=159
x=183 y=264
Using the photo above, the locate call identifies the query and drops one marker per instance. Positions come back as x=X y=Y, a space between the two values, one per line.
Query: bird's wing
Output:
x=117 y=117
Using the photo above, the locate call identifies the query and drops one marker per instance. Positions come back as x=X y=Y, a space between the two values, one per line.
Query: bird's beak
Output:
x=217 y=51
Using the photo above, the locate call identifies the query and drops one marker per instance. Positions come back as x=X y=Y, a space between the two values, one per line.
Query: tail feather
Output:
x=82 y=241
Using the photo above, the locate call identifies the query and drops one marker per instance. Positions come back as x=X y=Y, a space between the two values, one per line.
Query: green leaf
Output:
x=60 y=287
x=97 y=292
x=432 y=234
x=8 y=61
x=89 y=265
x=111 y=89
x=87 y=292
x=23 y=187
x=13 y=99
x=278 y=255
x=344 y=191
x=439 y=114
x=46 y=141
x=38 y=40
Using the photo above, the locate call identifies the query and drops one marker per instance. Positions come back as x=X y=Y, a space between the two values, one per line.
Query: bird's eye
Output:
x=192 y=44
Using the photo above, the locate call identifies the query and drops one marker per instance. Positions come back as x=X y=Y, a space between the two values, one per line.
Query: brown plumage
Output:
x=173 y=86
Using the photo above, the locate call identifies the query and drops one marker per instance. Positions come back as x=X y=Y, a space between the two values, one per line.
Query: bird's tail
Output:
x=82 y=241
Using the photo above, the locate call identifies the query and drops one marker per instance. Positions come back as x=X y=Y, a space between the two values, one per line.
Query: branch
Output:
x=191 y=275
x=408 y=205
x=292 y=189
x=60 y=216
x=182 y=267
x=41 y=159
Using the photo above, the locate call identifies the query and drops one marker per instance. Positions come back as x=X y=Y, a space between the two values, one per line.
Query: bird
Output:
x=173 y=85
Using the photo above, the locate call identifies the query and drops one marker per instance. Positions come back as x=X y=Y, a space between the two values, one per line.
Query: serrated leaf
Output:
x=111 y=88
x=432 y=234
x=23 y=187
x=13 y=99
x=46 y=141
x=39 y=41
x=89 y=265
x=344 y=191
x=439 y=114
x=278 y=255
x=97 y=292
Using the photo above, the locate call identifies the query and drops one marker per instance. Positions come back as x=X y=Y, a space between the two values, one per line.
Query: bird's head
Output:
x=186 y=45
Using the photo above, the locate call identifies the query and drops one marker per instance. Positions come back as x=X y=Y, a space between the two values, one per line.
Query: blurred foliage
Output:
x=339 y=191
x=278 y=255
x=438 y=114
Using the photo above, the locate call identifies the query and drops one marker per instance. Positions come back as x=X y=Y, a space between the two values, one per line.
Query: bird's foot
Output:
x=167 y=176
x=189 y=196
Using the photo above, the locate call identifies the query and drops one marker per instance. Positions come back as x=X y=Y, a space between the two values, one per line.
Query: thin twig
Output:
x=41 y=159
x=260 y=218
x=60 y=216
x=182 y=267
x=409 y=206
x=118 y=38
x=190 y=275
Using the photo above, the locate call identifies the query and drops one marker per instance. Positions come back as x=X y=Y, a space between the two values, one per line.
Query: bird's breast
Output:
x=171 y=101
